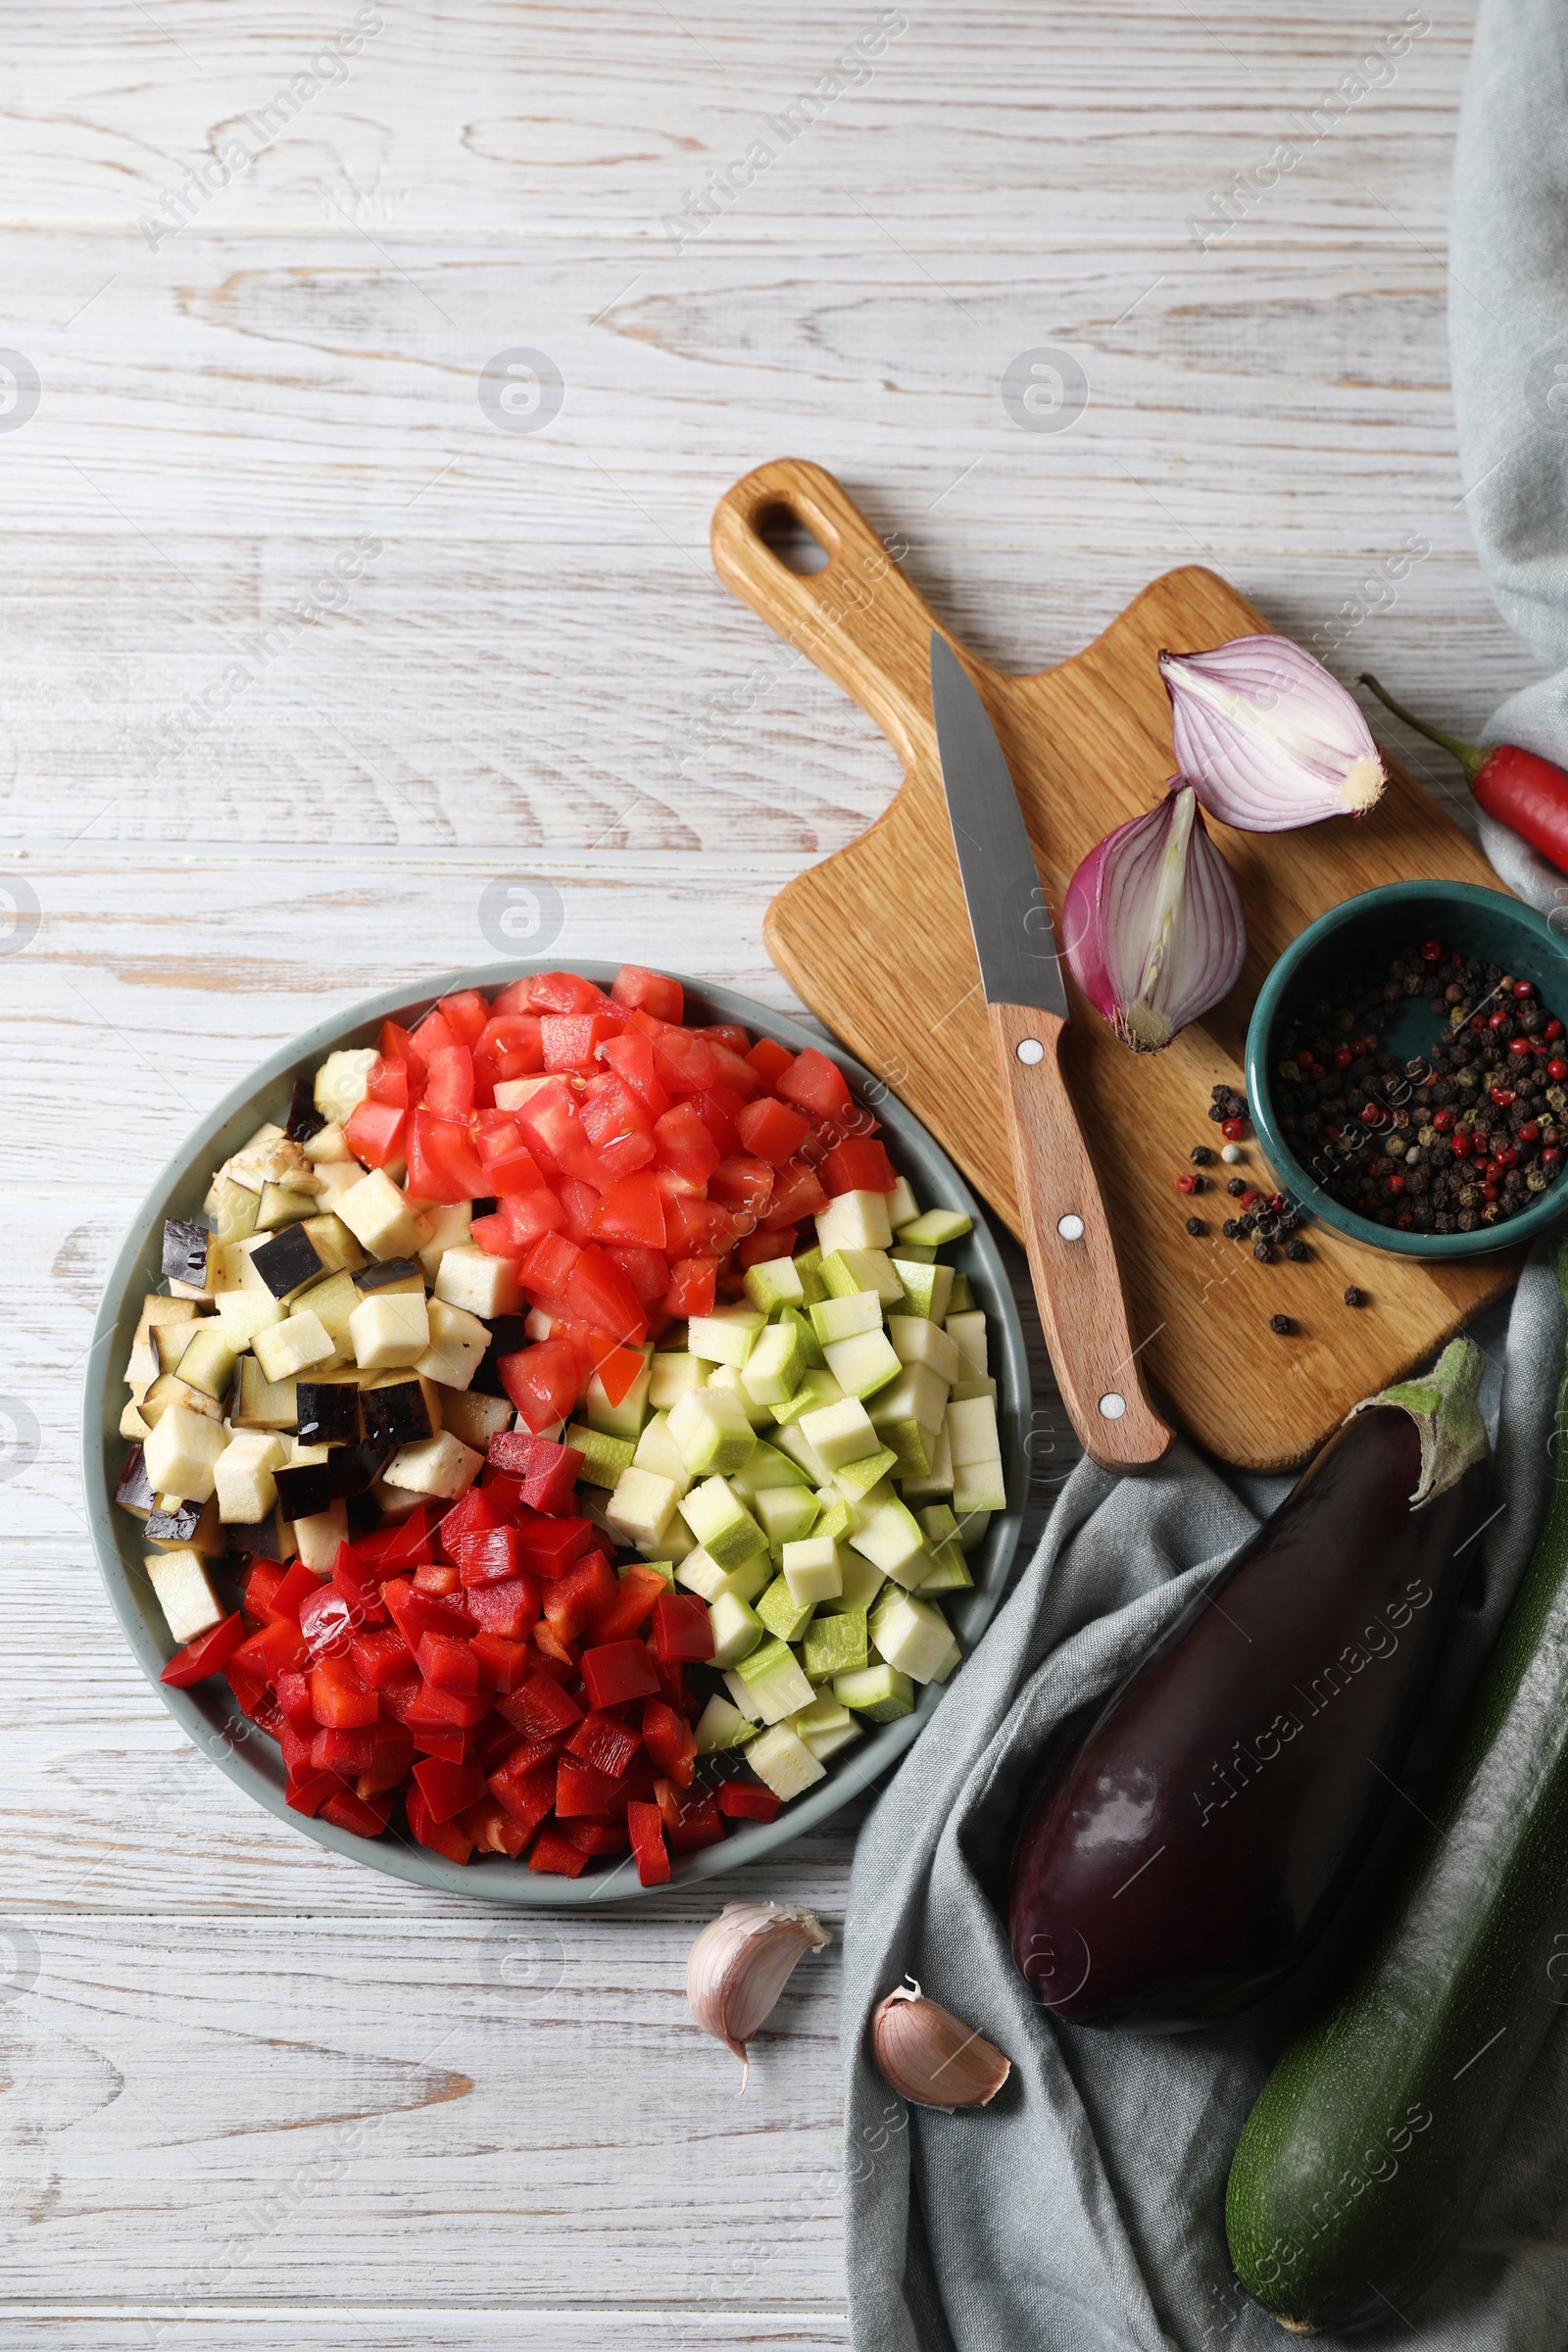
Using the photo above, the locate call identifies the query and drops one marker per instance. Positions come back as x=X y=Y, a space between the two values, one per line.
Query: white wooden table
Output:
x=254 y=2094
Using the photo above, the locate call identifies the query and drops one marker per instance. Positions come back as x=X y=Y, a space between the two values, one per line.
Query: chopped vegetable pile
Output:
x=573 y=1490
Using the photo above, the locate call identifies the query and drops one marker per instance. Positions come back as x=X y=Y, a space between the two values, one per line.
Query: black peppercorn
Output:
x=1263 y=1254
x=1236 y=1186
x=1231 y=1229
x=1196 y=1225
x=1296 y=1250
x=1355 y=1298
x=1280 y=1324
x=1200 y=1155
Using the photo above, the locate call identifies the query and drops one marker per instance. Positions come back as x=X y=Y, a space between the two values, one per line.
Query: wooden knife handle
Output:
x=1071 y=1255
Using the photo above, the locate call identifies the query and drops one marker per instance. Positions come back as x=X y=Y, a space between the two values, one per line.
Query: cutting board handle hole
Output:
x=786 y=533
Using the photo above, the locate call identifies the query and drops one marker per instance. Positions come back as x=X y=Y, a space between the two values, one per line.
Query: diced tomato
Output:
x=641 y=991
x=741 y=1182
x=447 y=1787
x=683 y=1628
x=598 y=1292
x=492 y=1233
x=432 y=1035
x=529 y=1216
x=398 y=1046
x=307 y=1792
x=684 y=1061
x=619 y=1369
x=208 y=1654
x=719 y=1109
x=698 y=1228
x=671 y=1741
x=562 y=992
x=632 y=1211
x=647 y=1270
x=692 y=1283
x=465 y=1014
x=450 y=1093
x=631 y=1057
x=749 y=1800
x=647 y=1827
x=771 y=1130
x=769 y=1059
x=619 y=1126
x=509 y=1047
x=547 y=1269
x=735 y=1073
x=557 y=1855
x=365 y=1816
x=860 y=1164
x=548 y=1116
x=492 y=1829
x=542 y=1382
x=548 y=1472
x=726 y=1033
x=443 y=1165
x=685 y=1144
x=816 y=1084
x=381 y=1656
x=540 y=1708
x=767 y=1242
x=387 y=1085
x=616 y=1671
x=374 y=1132
x=571 y=1040
x=509 y=1164
x=637 y=1590
x=442 y=1837
x=797 y=1192
x=573 y=1601
x=578 y=1200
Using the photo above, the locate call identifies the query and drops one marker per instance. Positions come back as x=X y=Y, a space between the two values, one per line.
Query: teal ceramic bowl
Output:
x=1478 y=922
x=208 y=1714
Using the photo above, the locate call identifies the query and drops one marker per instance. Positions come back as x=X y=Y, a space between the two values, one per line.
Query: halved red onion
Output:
x=1153 y=928
x=1267 y=738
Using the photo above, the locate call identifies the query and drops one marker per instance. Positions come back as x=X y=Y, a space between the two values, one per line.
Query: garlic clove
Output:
x=932 y=2058
x=741 y=1963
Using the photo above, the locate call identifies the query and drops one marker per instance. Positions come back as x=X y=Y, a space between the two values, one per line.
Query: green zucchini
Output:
x=1369 y=2144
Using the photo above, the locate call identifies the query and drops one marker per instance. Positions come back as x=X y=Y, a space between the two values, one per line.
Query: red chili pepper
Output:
x=1517 y=787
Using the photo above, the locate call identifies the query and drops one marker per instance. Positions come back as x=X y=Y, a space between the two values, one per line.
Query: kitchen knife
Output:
x=1071 y=1255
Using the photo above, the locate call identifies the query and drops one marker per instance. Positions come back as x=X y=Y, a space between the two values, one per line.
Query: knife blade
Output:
x=1014 y=941
x=1063 y=1225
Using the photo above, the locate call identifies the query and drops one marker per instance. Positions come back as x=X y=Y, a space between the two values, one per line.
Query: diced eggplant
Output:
x=508 y=1333
x=135 y=1492
x=169 y=1389
x=304 y=1488
x=327 y=1412
x=396 y=1415
x=208 y=1363
x=336 y=1245
x=355 y=1469
x=185 y=1252
x=288 y=1261
x=393 y=1274
x=182 y=1524
x=260 y=1402
x=269 y=1539
x=304 y=1120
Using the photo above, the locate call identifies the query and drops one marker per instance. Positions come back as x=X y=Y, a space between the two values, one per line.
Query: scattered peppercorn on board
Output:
x=1089 y=744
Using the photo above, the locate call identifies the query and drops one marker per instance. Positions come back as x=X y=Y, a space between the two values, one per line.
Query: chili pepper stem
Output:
x=1470 y=756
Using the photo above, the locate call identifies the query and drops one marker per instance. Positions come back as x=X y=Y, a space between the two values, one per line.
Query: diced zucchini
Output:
x=853 y=1221
x=917 y=1341
x=972 y=1426
x=938 y=1479
x=937 y=1523
x=937 y=1227
x=962 y=1298
x=836 y=1643
x=979 y=1485
x=881 y=1692
x=917 y=1394
x=838 y=1516
x=862 y=1582
x=774 y=1282
x=181 y=1451
x=457 y=1343
x=737 y=1629
x=774 y=1677
x=721 y=1523
x=864 y=1364
x=840 y=1433
x=890 y=1538
x=725 y=1337
x=902 y=1207
x=766 y=1467
x=855 y=1480
x=793 y=1319
x=641 y=1507
x=605 y=1459
x=962 y=1390
x=470 y=1278
x=712 y=1432
x=669 y=1377
x=944 y=1667
x=657 y=1450
x=728 y=1380
x=702 y=1574
x=775 y=1368
x=389 y=1330
x=184 y=1594
x=786 y=1514
x=927 y=1289
x=441 y=1465
x=243 y=1475
x=845 y=1314
x=741 y=1698
x=846 y=1272
x=782 y=1613
x=951 y=1570
x=972 y=1527
x=784 y=1761
x=825 y=1727
x=967 y=1328
x=910 y=1634
x=720 y=1726
x=809 y=1268
x=812 y=1571
x=817 y=1389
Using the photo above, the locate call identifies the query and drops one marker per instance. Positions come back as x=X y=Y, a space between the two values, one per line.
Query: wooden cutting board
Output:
x=876 y=941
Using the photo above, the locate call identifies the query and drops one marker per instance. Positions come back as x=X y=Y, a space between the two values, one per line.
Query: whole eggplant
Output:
x=1187 y=1852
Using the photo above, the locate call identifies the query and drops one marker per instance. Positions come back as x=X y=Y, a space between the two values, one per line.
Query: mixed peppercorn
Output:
x=1459 y=1139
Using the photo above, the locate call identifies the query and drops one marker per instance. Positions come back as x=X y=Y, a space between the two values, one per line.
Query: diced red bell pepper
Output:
x=349 y=1752
x=548 y=1472
x=797 y=1192
x=447 y=1787
x=574 y=1601
x=693 y=1283
x=440 y=1578
x=690 y=1822
x=294 y=1697
x=581 y=1788
x=442 y=1837
x=647 y=1827
x=374 y=1132
x=504 y=1662
x=209 y=1654
x=435 y=1704
x=492 y=1829
x=683 y=1628
x=469 y=1515
x=771 y=1130
x=490 y=1555
x=416 y=1614
x=380 y=1655
x=465 y=1013
x=443 y=1165
x=289 y=1594
x=507 y=1609
x=307 y=1792
x=614 y=1670
x=632 y=1211
x=360 y=1583
x=392 y=1549
x=637 y=1590
x=671 y=1741
x=674 y=1688
x=392 y=1752
x=596 y=1837
x=276 y=1649
x=448 y=1663
x=365 y=1816
x=527 y=1794
x=560 y=1656
x=769 y=1059
x=549 y=1547
x=572 y=1039
x=557 y=1855
x=265 y=1579
x=452 y=1742
x=642 y=991
x=404 y=1691
x=329 y=1622
x=860 y=1164
x=749 y=1800
x=540 y=1708
x=338 y=1697
x=606 y=1743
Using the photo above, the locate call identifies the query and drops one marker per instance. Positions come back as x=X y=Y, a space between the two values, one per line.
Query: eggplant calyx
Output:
x=1443 y=1406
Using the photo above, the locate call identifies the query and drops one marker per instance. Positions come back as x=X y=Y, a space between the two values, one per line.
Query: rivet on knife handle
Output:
x=1072 y=1256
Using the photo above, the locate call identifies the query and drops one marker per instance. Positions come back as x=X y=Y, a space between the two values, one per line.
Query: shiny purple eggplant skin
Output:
x=1187 y=1854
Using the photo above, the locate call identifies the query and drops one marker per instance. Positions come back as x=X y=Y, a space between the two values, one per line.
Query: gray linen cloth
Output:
x=1085 y=2208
